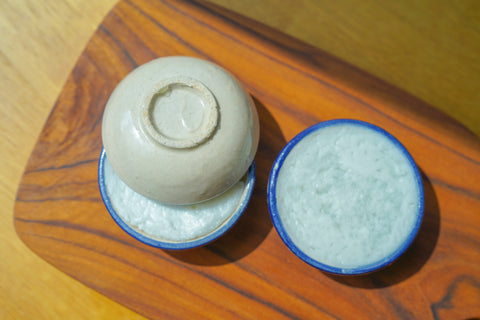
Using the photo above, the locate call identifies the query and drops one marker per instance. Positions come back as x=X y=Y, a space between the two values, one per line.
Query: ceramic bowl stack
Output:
x=179 y=136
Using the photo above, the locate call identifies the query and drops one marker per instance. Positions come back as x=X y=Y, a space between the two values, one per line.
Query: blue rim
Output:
x=274 y=214
x=247 y=193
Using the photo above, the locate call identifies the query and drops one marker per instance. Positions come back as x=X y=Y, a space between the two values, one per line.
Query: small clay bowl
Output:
x=215 y=232
x=346 y=197
x=180 y=130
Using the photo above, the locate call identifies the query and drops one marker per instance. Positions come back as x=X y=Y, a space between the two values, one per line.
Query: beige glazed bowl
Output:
x=180 y=130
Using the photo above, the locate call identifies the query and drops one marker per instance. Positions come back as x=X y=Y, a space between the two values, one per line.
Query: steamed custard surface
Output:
x=170 y=223
x=347 y=196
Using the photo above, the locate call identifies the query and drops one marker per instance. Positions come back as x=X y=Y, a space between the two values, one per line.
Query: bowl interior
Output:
x=137 y=233
x=273 y=202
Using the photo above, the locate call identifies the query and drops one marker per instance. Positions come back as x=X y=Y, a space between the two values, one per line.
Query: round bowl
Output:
x=180 y=130
x=350 y=218
x=155 y=241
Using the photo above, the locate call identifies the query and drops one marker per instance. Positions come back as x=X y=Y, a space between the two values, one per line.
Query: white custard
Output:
x=347 y=196
x=170 y=223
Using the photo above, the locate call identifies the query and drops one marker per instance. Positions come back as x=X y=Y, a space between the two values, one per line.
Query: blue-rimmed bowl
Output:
x=175 y=245
x=286 y=237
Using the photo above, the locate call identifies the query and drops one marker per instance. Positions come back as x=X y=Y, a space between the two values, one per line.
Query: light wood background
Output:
x=429 y=48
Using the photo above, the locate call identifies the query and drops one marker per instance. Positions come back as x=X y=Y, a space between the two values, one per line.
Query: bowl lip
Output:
x=274 y=214
x=198 y=242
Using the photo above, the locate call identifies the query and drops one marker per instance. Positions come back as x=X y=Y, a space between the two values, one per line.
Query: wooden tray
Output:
x=248 y=273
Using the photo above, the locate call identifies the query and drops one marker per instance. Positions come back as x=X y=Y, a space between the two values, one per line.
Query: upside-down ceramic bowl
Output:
x=180 y=130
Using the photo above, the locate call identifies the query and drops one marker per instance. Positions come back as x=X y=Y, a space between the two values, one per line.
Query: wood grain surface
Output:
x=429 y=48
x=248 y=273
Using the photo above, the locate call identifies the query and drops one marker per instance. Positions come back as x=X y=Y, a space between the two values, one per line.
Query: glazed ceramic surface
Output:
x=211 y=231
x=180 y=130
x=363 y=216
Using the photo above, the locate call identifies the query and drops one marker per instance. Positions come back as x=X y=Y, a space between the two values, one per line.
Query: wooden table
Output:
x=427 y=48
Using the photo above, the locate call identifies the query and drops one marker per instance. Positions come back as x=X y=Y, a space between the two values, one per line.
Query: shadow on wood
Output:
x=255 y=223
